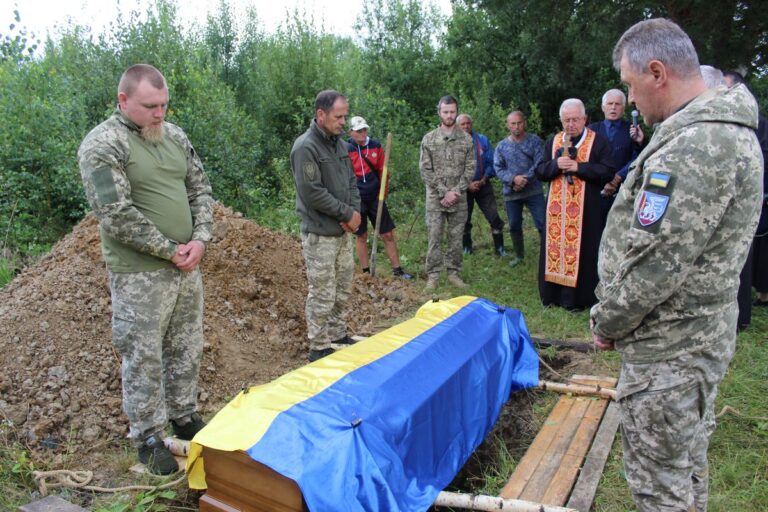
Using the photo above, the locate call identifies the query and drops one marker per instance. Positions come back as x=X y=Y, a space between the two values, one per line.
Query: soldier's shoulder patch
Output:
x=311 y=171
x=654 y=199
x=659 y=179
x=651 y=208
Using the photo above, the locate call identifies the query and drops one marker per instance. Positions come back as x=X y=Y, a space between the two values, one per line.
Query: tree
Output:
x=401 y=51
x=545 y=51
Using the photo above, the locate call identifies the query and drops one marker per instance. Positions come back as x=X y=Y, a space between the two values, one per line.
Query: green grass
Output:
x=7 y=269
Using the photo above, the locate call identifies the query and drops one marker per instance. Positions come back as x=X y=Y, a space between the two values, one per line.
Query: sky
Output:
x=43 y=16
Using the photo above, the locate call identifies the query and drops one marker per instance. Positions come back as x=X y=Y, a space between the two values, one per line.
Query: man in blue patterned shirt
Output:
x=514 y=161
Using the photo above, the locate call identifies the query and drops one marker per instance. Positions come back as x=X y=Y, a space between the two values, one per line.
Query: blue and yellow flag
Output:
x=388 y=422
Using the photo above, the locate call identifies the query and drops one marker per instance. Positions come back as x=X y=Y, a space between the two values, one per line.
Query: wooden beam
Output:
x=578 y=389
x=562 y=481
x=540 y=482
x=532 y=458
x=586 y=486
x=491 y=503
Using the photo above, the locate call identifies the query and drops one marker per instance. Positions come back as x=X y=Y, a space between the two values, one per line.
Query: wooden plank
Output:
x=237 y=481
x=563 y=480
x=540 y=481
x=606 y=382
x=527 y=465
x=586 y=486
x=210 y=504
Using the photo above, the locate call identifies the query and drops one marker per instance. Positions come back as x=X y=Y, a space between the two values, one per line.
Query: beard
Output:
x=152 y=133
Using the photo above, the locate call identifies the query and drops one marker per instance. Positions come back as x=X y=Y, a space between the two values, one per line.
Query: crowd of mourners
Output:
x=657 y=235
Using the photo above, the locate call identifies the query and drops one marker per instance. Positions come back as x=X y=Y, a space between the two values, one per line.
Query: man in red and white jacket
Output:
x=367 y=158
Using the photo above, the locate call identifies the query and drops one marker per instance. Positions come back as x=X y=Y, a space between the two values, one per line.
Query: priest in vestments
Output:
x=568 y=256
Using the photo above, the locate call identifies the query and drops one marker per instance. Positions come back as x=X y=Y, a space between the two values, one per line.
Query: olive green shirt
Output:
x=148 y=197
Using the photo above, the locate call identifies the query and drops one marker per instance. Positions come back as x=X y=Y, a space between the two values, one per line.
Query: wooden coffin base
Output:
x=552 y=472
x=238 y=483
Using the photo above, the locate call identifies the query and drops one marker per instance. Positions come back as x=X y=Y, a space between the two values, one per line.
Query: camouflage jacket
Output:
x=103 y=156
x=679 y=231
x=446 y=163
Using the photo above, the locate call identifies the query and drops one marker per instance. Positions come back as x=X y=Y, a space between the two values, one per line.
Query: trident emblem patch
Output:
x=652 y=208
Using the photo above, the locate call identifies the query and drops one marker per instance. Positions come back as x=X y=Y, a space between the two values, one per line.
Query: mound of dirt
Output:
x=60 y=375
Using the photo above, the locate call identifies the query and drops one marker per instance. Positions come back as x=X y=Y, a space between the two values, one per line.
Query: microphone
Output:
x=634 y=118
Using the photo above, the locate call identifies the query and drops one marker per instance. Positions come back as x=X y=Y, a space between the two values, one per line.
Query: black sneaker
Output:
x=314 y=355
x=187 y=429
x=342 y=343
x=402 y=274
x=158 y=459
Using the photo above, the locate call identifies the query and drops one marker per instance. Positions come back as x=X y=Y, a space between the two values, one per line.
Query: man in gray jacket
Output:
x=669 y=262
x=328 y=204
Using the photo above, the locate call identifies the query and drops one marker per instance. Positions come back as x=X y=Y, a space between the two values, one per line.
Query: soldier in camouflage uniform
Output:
x=148 y=189
x=328 y=204
x=447 y=165
x=669 y=262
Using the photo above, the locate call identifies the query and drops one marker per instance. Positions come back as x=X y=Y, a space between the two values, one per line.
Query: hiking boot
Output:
x=466 y=242
x=186 y=427
x=402 y=274
x=456 y=281
x=314 y=355
x=498 y=244
x=342 y=343
x=432 y=282
x=156 y=457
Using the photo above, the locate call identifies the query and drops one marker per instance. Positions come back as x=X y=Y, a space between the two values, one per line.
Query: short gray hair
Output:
x=615 y=92
x=712 y=76
x=657 y=39
x=573 y=102
x=325 y=99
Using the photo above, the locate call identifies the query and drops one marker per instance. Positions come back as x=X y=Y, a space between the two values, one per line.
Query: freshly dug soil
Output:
x=60 y=375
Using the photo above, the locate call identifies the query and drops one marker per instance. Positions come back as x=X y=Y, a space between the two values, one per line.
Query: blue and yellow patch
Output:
x=659 y=179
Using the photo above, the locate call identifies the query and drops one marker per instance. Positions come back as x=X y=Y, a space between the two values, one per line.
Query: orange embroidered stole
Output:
x=565 y=214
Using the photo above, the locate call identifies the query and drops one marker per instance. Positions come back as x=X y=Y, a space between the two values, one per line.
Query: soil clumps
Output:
x=60 y=375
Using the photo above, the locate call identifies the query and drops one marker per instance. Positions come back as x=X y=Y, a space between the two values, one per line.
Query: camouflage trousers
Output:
x=157 y=326
x=667 y=419
x=438 y=222
x=330 y=267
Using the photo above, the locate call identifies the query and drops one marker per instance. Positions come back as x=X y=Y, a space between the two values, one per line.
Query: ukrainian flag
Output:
x=387 y=423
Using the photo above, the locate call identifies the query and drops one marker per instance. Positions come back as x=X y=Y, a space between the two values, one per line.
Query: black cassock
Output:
x=598 y=171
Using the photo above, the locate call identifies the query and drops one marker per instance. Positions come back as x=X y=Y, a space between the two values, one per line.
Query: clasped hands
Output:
x=188 y=255
x=601 y=343
x=567 y=165
x=474 y=186
x=450 y=198
x=519 y=182
x=353 y=224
